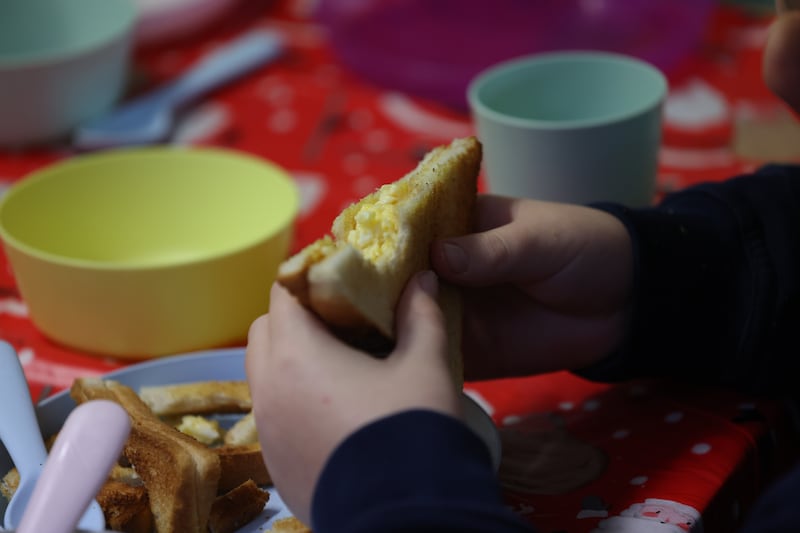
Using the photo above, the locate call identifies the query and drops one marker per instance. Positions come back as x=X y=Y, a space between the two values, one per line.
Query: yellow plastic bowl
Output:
x=145 y=252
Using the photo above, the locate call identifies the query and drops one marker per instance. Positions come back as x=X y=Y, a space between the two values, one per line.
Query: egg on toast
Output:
x=353 y=278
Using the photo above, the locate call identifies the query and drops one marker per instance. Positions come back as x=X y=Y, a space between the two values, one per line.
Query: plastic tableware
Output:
x=144 y=252
x=20 y=434
x=149 y=119
x=85 y=450
x=432 y=49
x=575 y=127
x=61 y=63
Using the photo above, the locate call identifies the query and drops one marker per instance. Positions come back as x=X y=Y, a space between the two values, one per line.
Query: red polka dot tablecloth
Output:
x=579 y=456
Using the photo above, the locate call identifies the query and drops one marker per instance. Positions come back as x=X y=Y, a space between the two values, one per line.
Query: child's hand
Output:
x=310 y=390
x=550 y=284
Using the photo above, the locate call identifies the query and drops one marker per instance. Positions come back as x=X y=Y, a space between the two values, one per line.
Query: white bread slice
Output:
x=353 y=279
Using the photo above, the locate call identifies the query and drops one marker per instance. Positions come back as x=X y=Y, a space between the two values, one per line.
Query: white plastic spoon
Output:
x=19 y=431
x=149 y=118
x=85 y=450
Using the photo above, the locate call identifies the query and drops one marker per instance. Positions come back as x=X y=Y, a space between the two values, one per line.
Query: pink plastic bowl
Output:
x=433 y=48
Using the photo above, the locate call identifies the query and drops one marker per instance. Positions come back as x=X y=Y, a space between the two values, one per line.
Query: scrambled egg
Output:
x=377 y=223
x=321 y=248
x=205 y=430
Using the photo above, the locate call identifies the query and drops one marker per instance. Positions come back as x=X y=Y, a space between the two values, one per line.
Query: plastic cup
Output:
x=575 y=127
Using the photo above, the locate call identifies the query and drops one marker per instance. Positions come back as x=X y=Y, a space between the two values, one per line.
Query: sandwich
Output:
x=353 y=278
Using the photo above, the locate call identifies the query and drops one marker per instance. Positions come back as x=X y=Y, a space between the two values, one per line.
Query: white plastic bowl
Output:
x=61 y=62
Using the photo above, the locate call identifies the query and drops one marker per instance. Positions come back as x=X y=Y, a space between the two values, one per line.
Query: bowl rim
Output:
x=277 y=174
x=121 y=30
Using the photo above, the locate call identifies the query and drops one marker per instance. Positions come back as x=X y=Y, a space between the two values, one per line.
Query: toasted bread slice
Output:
x=243 y=431
x=353 y=278
x=125 y=507
x=10 y=483
x=198 y=397
x=289 y=525
x=124 y=501
x=237 y=507
x=241 y=462
x=179 y=473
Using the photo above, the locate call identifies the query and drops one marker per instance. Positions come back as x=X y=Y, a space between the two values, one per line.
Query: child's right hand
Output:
x=548 y=286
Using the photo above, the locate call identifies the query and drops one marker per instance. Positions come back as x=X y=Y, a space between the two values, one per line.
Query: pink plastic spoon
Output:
x=85 y=450
x=19 y=431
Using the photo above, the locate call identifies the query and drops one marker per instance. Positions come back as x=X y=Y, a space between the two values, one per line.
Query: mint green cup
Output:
x=575 y=127
x=61 y=62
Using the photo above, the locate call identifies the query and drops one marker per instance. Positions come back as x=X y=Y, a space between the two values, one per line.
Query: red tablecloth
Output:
x=627 y=453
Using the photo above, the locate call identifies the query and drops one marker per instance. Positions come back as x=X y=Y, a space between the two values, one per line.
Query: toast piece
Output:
x=200 y=397
x=179 y=473
x=353 y=278
x=241 y=462
x=237 y=507
x=243 y=431
x=289 y=525
x=124 y=501
x=125 y=507
x=10 y=483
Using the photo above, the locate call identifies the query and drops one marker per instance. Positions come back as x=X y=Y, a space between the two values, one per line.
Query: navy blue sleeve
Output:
x=777 y=509
x=413 y=471
x=716 y=284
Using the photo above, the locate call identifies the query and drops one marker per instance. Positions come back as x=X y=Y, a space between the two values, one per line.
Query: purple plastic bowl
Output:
x=433 y=48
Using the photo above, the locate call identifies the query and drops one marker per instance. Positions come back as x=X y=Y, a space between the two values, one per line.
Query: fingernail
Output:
x=429 y=283
x=456 y=258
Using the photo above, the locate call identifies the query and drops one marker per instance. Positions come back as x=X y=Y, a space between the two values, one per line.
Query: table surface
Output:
x=625 y=452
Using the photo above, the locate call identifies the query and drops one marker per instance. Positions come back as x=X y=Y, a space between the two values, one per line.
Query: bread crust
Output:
x=357 y=297
x=237 y=507
x=180 y=474
x=125 y=506
x=241 y=462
